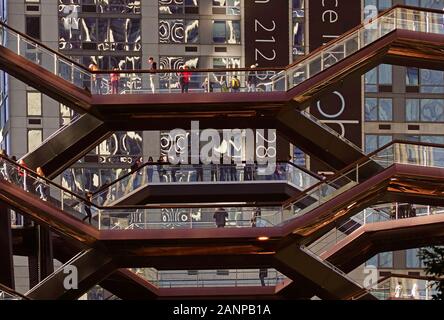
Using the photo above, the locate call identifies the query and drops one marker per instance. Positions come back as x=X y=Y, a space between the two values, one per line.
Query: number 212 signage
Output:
x=266 y=33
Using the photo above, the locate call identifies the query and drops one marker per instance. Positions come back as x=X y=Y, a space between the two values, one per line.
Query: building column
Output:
x=283 y=148
x=6 y=255
x=46 y=257
x=33 y=271
x=41 y=264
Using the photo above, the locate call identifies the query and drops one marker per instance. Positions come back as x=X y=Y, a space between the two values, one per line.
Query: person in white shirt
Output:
x=398 y=290
x=415 y=292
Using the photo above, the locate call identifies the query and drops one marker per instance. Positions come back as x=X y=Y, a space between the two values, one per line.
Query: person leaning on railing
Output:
x=23 y=175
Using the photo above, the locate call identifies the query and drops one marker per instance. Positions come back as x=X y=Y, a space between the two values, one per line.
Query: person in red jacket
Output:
x=114 y=77
x=185 y=79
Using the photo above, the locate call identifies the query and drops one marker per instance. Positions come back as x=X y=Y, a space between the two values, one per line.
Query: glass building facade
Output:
x=109 y=34
x=398 y=102
x=4 y=110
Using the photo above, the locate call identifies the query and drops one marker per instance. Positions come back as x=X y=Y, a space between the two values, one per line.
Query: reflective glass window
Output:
x=231 y=7
x=425 y=110
x=34 y=138
x=378 y=109
x=226 y=31
x=34 y=103
x=170 y=7
x=412 y=258
x=178 y=31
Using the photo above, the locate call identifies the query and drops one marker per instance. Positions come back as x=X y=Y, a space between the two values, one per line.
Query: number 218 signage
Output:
x=266 y=33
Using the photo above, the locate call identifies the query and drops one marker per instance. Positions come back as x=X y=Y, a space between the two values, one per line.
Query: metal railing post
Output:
x=357 y=173
x=72 y=73
x=191 y=220
x=286 y=79
x=55 y=66
x=18 y=44
x=322 y=61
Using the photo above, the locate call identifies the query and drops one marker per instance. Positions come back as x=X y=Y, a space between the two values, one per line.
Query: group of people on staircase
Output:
x=18 y=173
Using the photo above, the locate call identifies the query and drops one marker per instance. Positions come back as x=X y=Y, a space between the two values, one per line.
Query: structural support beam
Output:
x=129 y=286
x=41 y=262
x=6 y=255
x=64 y=147
x=329 y=282
x=323 y=144
x=45 y=254
x=75 y=277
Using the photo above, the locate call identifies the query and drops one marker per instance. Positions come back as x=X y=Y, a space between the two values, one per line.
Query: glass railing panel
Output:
x=374 y=214
x=399 y=288
x=65 y=70
x=387 y=24
x=211 y=278
x=301 y=179
x=29 y=51
x=370 y=34
x=189 y=218
x=327 y=128
x=430 y=156
x=7 y=296
x=330 y=189
x=344 y=228
x=399 y=18
x=333 y=54
x=214 y=81
x=351 y=43
x=12 y=41
x=199 y=82
x=50 y=61
x=63 y=200
x=155 y=174
x=297 y=75
x=319 y=195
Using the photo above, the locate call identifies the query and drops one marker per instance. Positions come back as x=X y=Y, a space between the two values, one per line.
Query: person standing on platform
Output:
x=220 y=216
x=152 y=66
x=185 y=79
x=88 y=207
x=96 y=83
x=252 y=79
